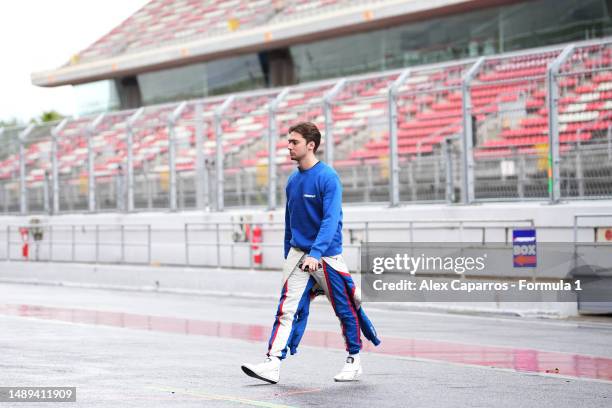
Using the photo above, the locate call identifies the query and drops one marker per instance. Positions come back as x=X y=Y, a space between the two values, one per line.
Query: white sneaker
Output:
x=351 y=370
x=268 y=371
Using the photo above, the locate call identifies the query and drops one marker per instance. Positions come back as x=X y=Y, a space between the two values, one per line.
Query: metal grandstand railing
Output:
x=223 y=244
x=583 y=116
x=426 y=143
x=10 y=170
x=227 y=244
x=534 y=124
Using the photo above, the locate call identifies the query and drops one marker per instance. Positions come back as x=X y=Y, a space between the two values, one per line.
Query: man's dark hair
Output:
x=309 y=131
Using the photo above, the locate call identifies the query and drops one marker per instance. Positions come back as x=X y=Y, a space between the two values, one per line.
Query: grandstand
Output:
x=223 y=145
x=145 y=233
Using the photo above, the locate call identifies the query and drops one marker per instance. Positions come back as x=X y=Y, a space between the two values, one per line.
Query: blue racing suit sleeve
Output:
x=332 y=209
x=287 y=230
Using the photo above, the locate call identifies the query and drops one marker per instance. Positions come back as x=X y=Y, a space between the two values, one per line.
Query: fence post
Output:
x=148 y=244
x=521 y=177
x=97 y=243
x=147 y=181
x=412 y=181
x=122 y=228
x=437 y=175
x=552 y=94
x=8 y=242
x=172 y=119
x=23 y=205
x=241 y=197
x=449 y=170
x=171 y=167
x=467 y=192
x=187 y=244
x=250 y=243
x=91 y=168
x=219 y=150
x=23 y=193
x=272 y=137
x=394 y=193
x=218 y=247
x=50 y=242
x=201 y=181
x=327 y=109
x=54 y=165
x=130 y=158
x=73 y=243
x=46 y=193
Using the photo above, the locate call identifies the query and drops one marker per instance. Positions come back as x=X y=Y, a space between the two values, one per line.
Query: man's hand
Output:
x=311 y=263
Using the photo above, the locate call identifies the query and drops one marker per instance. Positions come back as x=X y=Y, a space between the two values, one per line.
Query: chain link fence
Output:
x=244 y=131
x=9 y=170
x=194 y=150
x=37 y=161
x=359 y=118
x=584 y=109
x=151 y=164
x=109 y=161
x=72 y=158
x=509 y=122
x=527 y=125
x=429 y=128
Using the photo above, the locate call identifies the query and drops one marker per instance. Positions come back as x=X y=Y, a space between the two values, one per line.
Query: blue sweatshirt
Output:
x=313 y=216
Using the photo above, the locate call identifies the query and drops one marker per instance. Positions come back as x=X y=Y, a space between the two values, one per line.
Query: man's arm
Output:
x=287 y=229
x=332 y=207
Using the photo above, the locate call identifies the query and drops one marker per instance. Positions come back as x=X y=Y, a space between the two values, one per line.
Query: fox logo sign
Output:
x=524 y=250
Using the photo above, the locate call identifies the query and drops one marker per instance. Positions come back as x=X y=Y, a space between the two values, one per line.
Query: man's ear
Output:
x=311 y=144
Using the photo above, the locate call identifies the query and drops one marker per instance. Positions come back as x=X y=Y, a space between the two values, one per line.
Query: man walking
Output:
x=313 y=261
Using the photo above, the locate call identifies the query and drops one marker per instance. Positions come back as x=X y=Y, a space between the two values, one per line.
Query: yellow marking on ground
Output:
x=229 y=398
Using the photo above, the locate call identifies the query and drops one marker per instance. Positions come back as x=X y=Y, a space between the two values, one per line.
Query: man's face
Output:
x=298 y=149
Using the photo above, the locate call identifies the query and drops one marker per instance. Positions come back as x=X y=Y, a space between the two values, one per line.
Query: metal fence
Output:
x=507 y=106
x=70 y=165
x=426 y=129
x=360 y=111
x=223 y=244
x=243 y=138
x=534 y=124
x=122 y=244
x=583 y=112
x=233 y=244
x=10 y=154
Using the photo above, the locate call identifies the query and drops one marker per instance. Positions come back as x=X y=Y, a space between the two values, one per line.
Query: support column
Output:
x=201 y=181
x=467 y=192
x=552 y=99
x=272 y=138
x=23 y=193
x=55 y=132
x=448 y=155
x=129 y=166
x=219 y=151
x=394 y=170
x=91 y=181
x=172 y=119
x=329 y=122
